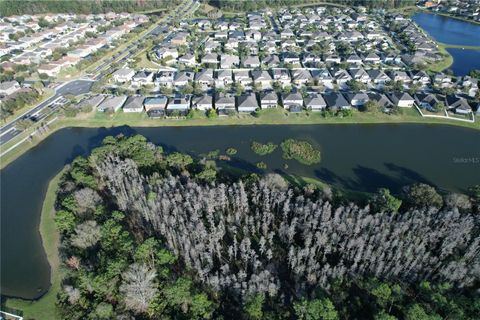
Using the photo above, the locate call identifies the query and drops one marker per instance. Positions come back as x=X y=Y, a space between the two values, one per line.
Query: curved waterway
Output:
x=356 y=157
x=453 y=31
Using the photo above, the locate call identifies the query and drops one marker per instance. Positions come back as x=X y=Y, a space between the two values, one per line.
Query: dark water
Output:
x=448 y=30
x=464 y=60
x=358 y=157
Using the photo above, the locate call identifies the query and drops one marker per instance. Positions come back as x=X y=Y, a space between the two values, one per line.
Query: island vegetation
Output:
x=263 y=149
x=144 y=235
x=299 y=150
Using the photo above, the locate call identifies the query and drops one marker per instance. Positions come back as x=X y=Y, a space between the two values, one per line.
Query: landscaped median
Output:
x=264 y=117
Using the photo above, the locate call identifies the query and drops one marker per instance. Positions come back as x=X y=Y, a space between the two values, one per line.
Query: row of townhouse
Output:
x=328 y=77
x=224 y=104
x=37 y=48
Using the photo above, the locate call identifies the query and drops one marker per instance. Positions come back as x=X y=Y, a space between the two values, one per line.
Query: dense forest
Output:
x=16 y=7
x=147 y=234
x=249 y=5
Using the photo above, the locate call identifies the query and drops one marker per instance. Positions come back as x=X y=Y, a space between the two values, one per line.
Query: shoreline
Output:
x=264 y=119
x=44 y=306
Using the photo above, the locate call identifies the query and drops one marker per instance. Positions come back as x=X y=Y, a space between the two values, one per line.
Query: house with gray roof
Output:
x=251 y=62
x=224 y=104
x=204 y=102
x=401 y=99
x=134 y=104
x=263 y=78
x=247 y=102
x=336 y=101
x=155 y=103
x=182 y=78
x=357 y=99
x=179 y=105
x=229 y=61
x=301 y=76
x=314 y=102
x=292 y=100
x=205 y=78
x=268 y=99
x=112 y=104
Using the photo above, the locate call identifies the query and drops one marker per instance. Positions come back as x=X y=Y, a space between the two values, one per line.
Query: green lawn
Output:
x=44 y=308
x=443 y=64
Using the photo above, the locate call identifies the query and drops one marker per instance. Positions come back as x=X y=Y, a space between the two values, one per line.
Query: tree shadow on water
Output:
x=369 y=179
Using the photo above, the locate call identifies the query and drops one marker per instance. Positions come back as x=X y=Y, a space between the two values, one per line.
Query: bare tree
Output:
x=138 y=287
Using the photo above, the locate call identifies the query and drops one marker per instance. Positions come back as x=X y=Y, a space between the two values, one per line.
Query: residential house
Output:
x=165 y=78
x=426 y=100
x=251 y=62
x=401 y=99
x=143 y=78
x=247 y=102
x=290 y=58
x=458 y=105
x=268 y=99
x=314 y=102
x=187 y=59
x=359 y=74
x=271 y=61
x=49 y=69
x=182 y=78
x=263 y=78
x=155 y=106
x=323 y=77
x=225 y=104
x=205 y=78
x=371 y=58
x=301 y=76
x=292 y=101
x=112 y=103
x=134 y=104
x=380 y=99
x=210 y=58
x=123 y=75
x=242 y=77
x=379 y=78
x=357 y=99
x=204 y=102
x=281 y=76
x=336 y=101
x=229 y=61
x=179 y=105
x=224 y=78
x=9 y=87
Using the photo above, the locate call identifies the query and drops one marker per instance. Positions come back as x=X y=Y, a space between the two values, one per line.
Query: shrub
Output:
x=302 y=151
x=231 y=151
x=261 y=165
x=263 y=149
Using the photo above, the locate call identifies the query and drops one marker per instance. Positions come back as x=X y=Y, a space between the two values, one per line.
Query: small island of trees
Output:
x=147 y=234
x=263 y=149
x=302 y=151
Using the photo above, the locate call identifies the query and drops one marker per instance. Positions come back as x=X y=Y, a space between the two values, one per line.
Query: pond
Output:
x=356 y=157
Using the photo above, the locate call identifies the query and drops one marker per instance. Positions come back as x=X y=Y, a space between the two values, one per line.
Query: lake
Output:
x=448 y=30
x=356 y=157
x=453 y=31
x=464 y=60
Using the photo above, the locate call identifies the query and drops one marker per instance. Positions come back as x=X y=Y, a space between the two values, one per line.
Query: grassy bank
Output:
x=458 y=46
x=443 y=64
x=266 y=117
x=44 y=308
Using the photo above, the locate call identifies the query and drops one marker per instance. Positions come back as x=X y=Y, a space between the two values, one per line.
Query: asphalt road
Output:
x=75 y=88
